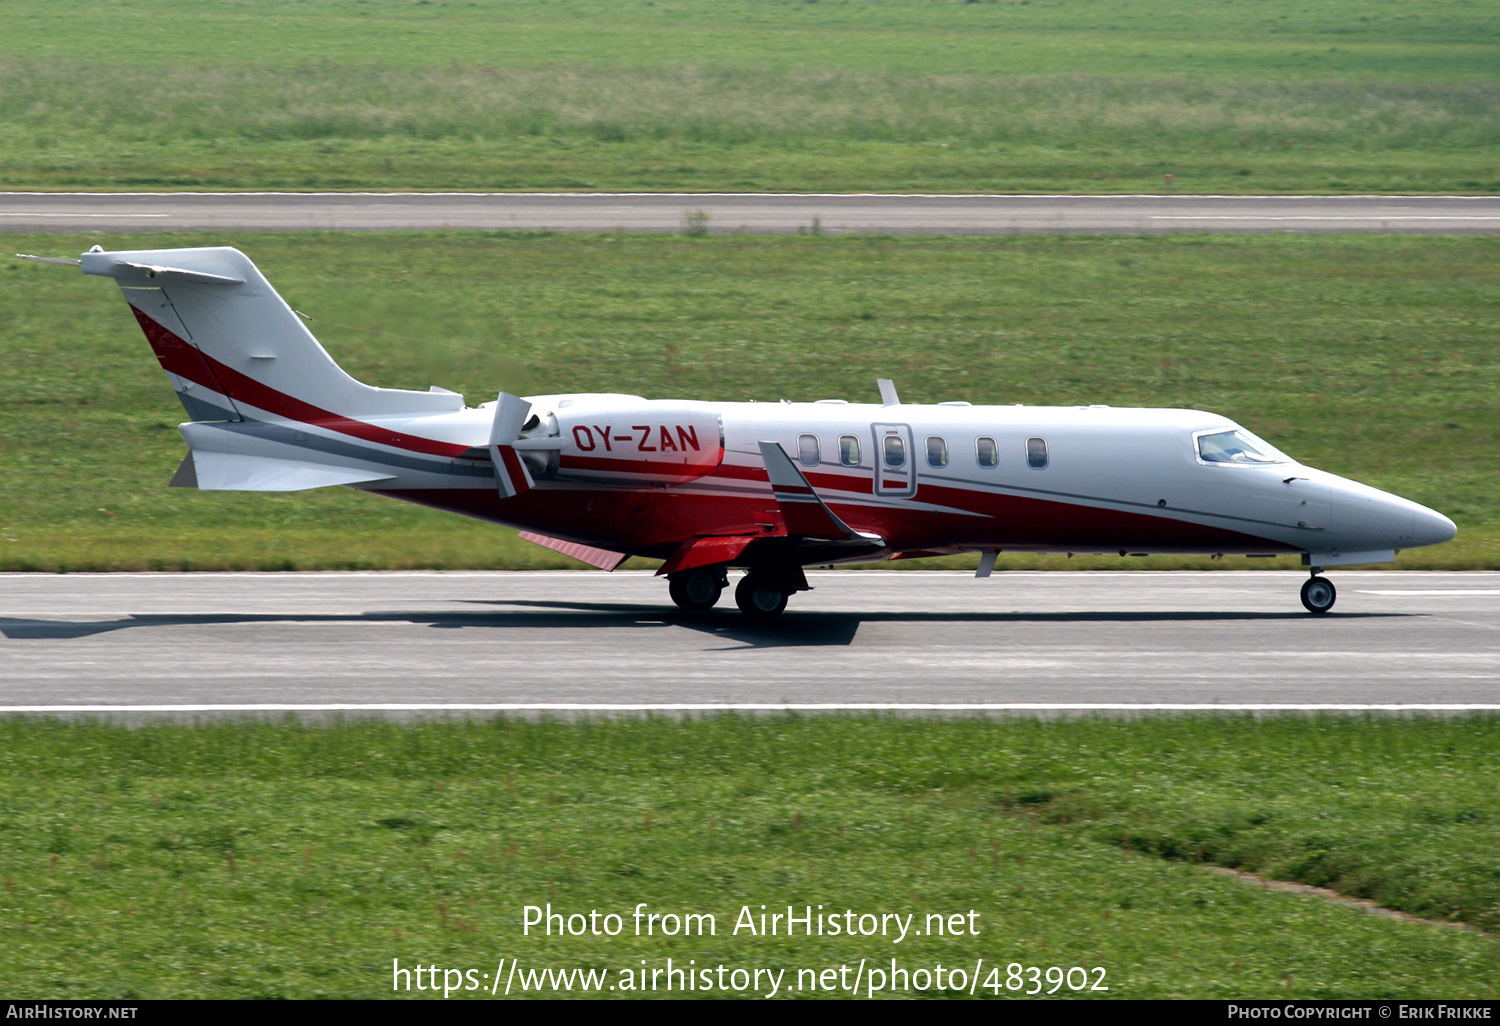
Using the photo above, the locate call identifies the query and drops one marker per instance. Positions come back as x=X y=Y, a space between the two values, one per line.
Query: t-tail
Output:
x=269 y=408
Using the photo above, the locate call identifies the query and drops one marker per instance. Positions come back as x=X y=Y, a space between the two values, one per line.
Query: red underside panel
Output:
x=705 y=552
x=658 y=521
x=604 y=559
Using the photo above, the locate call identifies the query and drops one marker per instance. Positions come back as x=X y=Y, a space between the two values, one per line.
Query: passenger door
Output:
x=895 y=460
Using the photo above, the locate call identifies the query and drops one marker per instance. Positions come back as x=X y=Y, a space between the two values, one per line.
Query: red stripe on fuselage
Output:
x=177 y=356
x=661 y=469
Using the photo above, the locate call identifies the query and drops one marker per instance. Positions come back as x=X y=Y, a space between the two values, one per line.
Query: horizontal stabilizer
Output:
x=238 y=472
x=604 y=559
x=59 y=261
x=108 y=265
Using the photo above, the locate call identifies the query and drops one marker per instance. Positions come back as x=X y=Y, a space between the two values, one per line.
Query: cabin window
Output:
x=807 y=450
x=1237 y=446
x=895 y=451
x=986 y=451
x=937 y=451
x=849 y=450
x=1036 y=453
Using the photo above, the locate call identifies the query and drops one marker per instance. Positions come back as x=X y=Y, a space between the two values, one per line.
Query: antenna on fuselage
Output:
x=888 y=395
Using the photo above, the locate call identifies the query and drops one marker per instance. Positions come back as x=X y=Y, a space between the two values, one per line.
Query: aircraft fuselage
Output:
x=641 y=476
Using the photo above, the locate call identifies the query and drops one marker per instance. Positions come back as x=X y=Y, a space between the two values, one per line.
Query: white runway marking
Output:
x=1098 y=197
x=775 y=213
x=9 y=213
x=619 y=707
x=1428 y=591
x=1324 y=217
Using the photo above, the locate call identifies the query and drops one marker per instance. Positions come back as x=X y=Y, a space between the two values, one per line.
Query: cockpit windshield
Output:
x=1237 y=446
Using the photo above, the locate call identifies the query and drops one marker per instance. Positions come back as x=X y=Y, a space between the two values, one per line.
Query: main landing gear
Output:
x=698 y=590
x=761 y=594
x=758 y=599
x=1318 y=592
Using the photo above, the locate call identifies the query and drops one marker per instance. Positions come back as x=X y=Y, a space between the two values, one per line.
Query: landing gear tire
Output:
x=757 y=601
x=696 y=590
x=1318 y=594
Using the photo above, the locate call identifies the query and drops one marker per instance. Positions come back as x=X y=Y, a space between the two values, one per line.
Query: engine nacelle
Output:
x=653 y=443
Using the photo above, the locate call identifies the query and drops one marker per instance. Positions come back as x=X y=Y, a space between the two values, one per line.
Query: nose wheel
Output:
x=1318 y=594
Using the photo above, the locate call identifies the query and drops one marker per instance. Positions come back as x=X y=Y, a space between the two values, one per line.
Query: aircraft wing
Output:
x=813 y=532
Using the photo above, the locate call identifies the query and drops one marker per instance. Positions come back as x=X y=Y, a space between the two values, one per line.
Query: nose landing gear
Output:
x=1318 y=592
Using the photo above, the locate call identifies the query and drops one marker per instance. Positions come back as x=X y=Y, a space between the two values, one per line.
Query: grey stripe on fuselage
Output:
x=206 y=413
x=1009 y=488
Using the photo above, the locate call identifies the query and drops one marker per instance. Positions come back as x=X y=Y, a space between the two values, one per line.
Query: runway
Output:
x=753 y=213
x=1017 y=642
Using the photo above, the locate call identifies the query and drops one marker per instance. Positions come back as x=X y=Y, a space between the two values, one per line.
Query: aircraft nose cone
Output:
x=1432 y=528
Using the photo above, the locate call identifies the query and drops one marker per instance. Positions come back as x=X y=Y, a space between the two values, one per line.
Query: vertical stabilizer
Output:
x=231 y=346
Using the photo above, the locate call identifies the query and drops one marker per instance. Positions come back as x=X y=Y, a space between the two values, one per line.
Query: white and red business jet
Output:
x=706 y=486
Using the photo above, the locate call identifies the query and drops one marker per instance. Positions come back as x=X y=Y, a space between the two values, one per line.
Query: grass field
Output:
x=907 y=95
x=271 y=860
x=1371 y=357
x=259 y=860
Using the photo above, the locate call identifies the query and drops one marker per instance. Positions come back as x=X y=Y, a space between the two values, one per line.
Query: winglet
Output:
x=804 y=512
x=888 y=395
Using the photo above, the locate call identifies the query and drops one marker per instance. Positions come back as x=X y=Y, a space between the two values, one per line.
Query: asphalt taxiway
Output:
x=787 y=213
x=401 y=643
